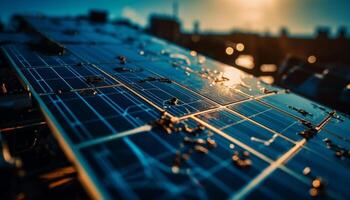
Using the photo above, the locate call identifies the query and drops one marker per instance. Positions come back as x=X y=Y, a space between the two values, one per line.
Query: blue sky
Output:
x=300 y=16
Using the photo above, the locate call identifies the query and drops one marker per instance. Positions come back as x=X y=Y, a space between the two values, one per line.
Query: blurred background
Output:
x=300 y=45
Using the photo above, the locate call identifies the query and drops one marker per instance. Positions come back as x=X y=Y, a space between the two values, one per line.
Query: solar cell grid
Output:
x=197 y=81
x=100 y=114
x=149 y=163
x=299 y=107
x=224 y=134
x=271 y=118
x=330 y=147
x=164 y=92
x=331 y=172
x=219 y=82
x=25 y=57
x=104 y=53
x=287 y=188
x=77 y=36
x=262 y=140
x=340 y=127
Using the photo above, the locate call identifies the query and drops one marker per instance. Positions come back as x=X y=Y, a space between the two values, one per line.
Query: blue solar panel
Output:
x=330 y=171
x=271 y=118
x=299 y=107
x=270 y=144
x=145 y=163
x=98 y=113
x=142 y=118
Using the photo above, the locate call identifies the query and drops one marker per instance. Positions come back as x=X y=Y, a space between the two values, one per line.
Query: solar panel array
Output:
x=143 y=118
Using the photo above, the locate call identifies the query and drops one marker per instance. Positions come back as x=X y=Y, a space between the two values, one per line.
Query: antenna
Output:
x=176 y=9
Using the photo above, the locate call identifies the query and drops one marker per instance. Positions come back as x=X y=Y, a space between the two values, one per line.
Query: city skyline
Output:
x=300 y=17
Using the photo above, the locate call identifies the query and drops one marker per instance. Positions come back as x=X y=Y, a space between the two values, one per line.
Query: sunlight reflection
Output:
x=234 y=76
x=246 y=61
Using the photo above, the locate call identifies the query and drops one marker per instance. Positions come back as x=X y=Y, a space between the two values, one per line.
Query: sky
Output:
x=300 y=16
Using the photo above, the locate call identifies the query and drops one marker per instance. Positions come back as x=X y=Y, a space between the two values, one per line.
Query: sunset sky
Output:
x=300 y=16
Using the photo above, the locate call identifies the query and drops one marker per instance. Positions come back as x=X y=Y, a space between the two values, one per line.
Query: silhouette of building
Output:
x=166 y=27
x=265 y=49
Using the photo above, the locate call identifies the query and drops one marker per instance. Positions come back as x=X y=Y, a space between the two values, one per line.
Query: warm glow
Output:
x=255 y=3
x=240 y=47
x=253 y=14
x=180 y=57
x=348 y=86
x=193 y=53
x=267 y=79
x=229 y=50
x=233 y=75
x=201 y=59
x=312 y=59
x=246 y=61
x=268 y=68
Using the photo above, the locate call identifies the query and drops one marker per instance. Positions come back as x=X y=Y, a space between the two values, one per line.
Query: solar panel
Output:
x=143 y=118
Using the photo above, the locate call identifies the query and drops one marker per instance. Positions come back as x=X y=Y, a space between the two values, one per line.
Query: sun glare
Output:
x=254 y=3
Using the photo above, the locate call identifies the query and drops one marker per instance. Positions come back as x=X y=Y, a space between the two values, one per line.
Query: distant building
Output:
x=98 y=16
x=166 y=27
x=196 y=27
x=265 y=49
x=342 y=32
